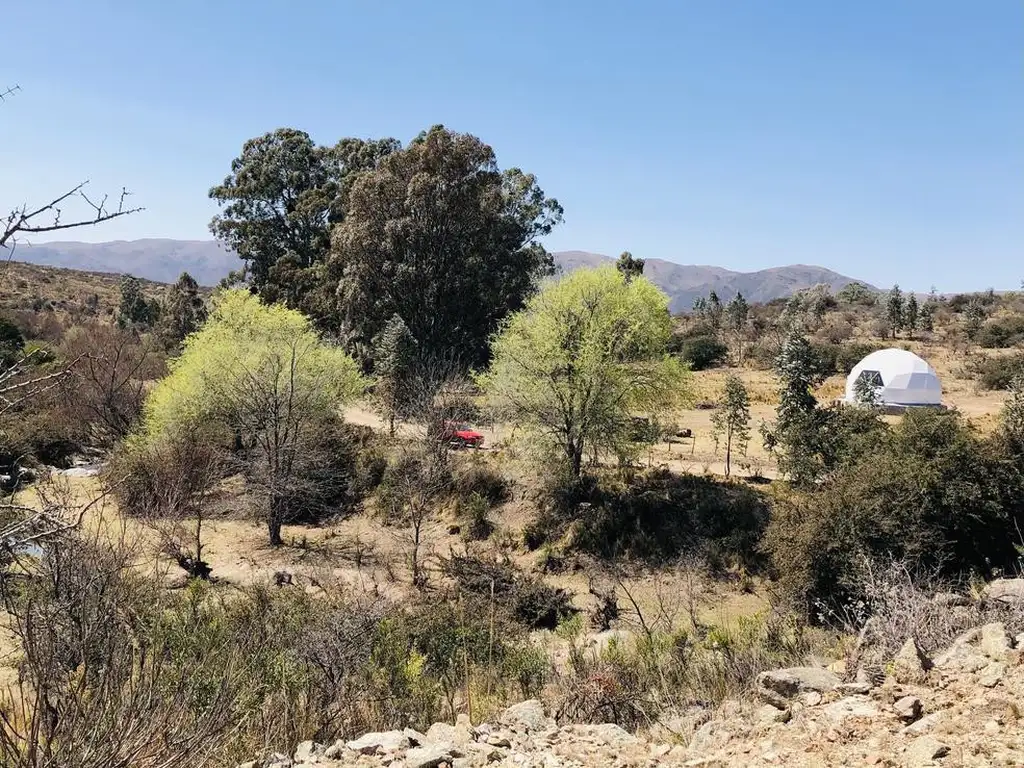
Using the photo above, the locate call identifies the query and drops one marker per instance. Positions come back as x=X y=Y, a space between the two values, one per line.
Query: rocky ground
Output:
x=964 y=707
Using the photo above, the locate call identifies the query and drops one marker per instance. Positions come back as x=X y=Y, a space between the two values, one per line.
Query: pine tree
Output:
x=134 y=310
x=865 y=391
x=926 y=320
x=394 y=355
x=629 y=265
x=736 y=311
x=715 y=310
x=700 y=307
x=973 y=317
x=796 y=434
x=911 y=314
x=184 y=311
x=894 y=310
x=732 y=419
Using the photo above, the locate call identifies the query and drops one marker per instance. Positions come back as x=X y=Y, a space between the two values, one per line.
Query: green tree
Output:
x=911 y=314
x=438 y=234
x=260 y=374
x=715 y=310
x=926 y=321
x=700 y=306
x=278 y=204
x=856 y=293
x=1012 y=416
x=973 y=317
x=394 y=353
x=732 y=419
x=798 y=430
x=629 y=265
x=184 y=311
x=134 y=310
x=736 y=312
x=894 y=314
x=865 y=391
x=586 y=353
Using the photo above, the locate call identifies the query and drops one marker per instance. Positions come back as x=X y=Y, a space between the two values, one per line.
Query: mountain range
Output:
x=162 y=260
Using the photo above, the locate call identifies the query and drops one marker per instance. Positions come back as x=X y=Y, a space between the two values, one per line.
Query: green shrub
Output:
x=1002 y=332
x=703 y=352
x=657 y=516
x=930 y=492
x=996 y=372
x=476 y=477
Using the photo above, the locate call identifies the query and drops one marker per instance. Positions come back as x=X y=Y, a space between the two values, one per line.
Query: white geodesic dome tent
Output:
x=901 y=379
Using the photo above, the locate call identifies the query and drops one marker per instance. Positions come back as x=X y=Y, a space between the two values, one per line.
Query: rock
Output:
x=851 y=706
x=950 y=599
x=778 y=686
x=276 y=760
x=925 y=724
x=992 y=675
x=854 y=689
x=430 y=756
x=908 y=709
x=526 y=716
x=605 y=733
x=601 y=642
x=379 y=743
x=308 y=752
x=497 y=740
x=440 y=733
x=249 y=764
x=336 y=750
x=994 y=641
x=1009 y=591
x=415 y=738
x=770 y=714
x=923 y=750
x=911 y=665
x=812 y=698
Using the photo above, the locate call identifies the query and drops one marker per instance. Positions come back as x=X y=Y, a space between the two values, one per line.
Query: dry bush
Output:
x=900 y=603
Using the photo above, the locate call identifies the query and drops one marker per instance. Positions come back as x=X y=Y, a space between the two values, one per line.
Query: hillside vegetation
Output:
x=239 y=520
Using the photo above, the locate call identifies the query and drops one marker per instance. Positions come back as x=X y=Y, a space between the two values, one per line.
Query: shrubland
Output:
x=581 y=558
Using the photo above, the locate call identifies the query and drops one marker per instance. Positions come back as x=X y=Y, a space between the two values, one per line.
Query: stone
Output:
x=379 y=743
x=430 y=756
x=911 y=665
x=605 y=733
x=777 y=686
x=994 y=641
x=992 y=675
x=854 y=689
x=497 y=740
x=908 y=709
x=1009 y=591
x=440 y=732
x=336 y=750
x=276 y=760
x=925 y=724
x=308 y=752
x=812 y=698
x=923 y=750
x=526 y=716
x=415 y=738
x=769 y=714
x=851 y=706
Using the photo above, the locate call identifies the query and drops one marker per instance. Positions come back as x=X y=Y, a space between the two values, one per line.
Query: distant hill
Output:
x=159 y=260
x=685 y=282
x=162 y=260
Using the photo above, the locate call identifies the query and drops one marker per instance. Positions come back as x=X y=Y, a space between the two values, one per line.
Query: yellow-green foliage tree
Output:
x=261 y=375
x=586 y=354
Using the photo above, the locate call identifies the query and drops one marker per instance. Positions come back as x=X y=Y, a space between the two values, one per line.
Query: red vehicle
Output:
x=459 y=435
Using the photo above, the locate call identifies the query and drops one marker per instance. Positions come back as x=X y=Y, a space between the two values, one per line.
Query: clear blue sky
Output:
x=880 y=138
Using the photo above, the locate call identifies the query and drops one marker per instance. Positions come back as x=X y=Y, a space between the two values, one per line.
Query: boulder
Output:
x=605 y=733
x=994 y=643
x=308 y=752
x=379 y=743
x=851 y=706
x=911 y=665
x=430 y=756
x=778 y=686
x=923 y=750
x=950 y=599
x=527 y=716
x=1009 y=591
x=908 y=709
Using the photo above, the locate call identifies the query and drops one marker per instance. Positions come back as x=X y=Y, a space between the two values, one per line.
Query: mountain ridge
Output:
x=163 y=259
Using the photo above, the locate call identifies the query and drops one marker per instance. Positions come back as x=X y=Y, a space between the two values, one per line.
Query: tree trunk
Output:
x=728 y=451
x=575 y=453
x=275 y=519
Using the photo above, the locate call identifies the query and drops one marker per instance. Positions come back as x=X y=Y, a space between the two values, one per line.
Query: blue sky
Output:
x=882 y=139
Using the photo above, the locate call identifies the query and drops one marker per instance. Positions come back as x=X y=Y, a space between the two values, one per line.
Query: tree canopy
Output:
x=278 y=204
x=585 y=354
x=439 y=235
x=260 y=373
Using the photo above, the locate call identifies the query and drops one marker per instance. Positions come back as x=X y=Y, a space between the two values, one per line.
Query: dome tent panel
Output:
x=906 y=379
